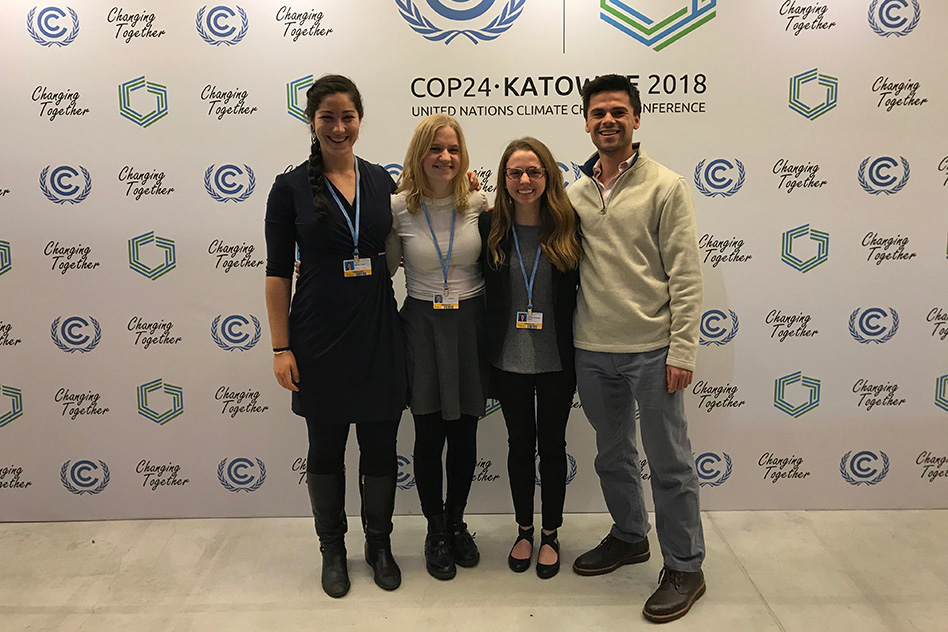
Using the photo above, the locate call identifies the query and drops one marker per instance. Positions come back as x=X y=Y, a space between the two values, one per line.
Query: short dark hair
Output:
x=612 y=83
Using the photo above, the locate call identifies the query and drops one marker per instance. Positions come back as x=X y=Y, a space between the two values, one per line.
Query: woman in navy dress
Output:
x=338 y=346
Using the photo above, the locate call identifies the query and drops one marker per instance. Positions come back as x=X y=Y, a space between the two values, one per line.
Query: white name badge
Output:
x=529 y=321
x=357 y=267
x=448 y=300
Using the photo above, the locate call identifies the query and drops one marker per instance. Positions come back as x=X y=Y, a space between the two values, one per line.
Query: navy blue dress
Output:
x=344 y=332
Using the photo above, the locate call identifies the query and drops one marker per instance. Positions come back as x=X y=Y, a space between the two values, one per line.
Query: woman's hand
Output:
x=473 y=182
x=285 y=370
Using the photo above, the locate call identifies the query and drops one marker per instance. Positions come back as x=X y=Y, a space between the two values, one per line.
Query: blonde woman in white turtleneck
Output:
x=435 y=235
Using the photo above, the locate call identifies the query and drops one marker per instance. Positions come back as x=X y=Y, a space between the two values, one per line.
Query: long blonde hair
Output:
x=559 y=228
x=413 y=180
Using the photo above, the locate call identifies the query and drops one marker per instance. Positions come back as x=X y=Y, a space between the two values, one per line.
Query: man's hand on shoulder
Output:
x=677 y=378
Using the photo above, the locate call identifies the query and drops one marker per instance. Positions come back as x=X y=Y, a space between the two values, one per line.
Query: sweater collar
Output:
x=640 y=157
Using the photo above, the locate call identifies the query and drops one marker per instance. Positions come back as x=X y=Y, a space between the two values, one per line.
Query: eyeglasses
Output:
x=534 y=173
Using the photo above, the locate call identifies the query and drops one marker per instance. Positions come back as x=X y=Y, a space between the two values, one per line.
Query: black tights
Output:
x=327 y=447
x=431 y=432
x=536 y=409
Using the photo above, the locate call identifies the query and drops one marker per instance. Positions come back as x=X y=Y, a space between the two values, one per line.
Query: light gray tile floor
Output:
x=804 y=571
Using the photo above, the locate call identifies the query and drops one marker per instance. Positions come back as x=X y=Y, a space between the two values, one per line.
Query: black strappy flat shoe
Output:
x=546 y=571
x=520 y=565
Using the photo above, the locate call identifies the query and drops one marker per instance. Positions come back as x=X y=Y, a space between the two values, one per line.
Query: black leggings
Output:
x=327 y=447
x=431 y=432
x=536 y=409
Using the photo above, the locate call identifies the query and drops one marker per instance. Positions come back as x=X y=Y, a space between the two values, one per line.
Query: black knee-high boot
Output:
x=378 y=505
x=327 y=494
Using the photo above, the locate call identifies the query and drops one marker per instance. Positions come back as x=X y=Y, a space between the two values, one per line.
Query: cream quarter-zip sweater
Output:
x=640 y=280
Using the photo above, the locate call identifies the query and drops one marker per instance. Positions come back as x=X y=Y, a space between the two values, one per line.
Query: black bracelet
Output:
x=281 y=349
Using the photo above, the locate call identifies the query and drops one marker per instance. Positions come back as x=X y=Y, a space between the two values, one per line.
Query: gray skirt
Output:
x=448 y=367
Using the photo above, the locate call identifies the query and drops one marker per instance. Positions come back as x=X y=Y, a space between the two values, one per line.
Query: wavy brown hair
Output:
x=413 y=181
x=559 y=226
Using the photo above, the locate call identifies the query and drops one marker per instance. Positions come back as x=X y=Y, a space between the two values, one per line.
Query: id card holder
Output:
x=447 y=300
x=529 y=321
x=357 y=267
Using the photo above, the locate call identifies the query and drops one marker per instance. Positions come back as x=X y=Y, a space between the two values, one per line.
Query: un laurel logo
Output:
x=58 y=188
x=708 y=467
x=860 y=468
x=394 y=169
x=886 y=17
x=229 y=336
x=233 y=476
x=880 y=180
x=864 y=327
x=70 y=336
x=460 y=11
x=220 y=185
x=714 y=334
x=404 y=479
x=51 y=32
x=83 y=477
x=570 y=475
x=571 y=173
x=213 y=28
x=710 y=182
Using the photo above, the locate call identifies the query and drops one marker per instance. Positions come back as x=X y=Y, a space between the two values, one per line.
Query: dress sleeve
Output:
x=280 y=230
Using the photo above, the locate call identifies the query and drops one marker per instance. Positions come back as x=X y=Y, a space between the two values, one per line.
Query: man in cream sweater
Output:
x=636 y=337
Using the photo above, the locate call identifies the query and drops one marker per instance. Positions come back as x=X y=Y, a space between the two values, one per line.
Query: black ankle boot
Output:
x=378 y=505
x=461 y=542
x=327 y=495
x=438 y=559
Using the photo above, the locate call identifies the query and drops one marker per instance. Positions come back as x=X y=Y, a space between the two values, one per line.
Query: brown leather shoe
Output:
x=610 y=555
x=677 y=591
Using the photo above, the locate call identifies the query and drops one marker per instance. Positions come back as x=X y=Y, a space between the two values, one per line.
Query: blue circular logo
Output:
x=404 y=479
x=238 y=476
x=47 y=21
x=474 y=8
x=863 y=467
x=73 y=334
x=710 y=473
x=85 y=476
x=222 y=184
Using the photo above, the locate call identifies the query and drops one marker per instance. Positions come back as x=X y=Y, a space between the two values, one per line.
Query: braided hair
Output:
x=323 y=87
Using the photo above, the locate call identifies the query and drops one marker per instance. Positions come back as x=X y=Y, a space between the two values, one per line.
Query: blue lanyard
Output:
x=445 y=263
x=353 y=230
x=533 y=275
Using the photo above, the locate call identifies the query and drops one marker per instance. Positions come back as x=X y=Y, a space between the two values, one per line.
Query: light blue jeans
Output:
x=609 y=386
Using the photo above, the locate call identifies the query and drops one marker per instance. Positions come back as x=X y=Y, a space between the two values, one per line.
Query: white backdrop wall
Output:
x=139 y=147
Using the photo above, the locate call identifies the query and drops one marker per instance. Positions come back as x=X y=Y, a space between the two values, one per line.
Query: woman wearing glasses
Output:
x=434 y=230
x=530 y=263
